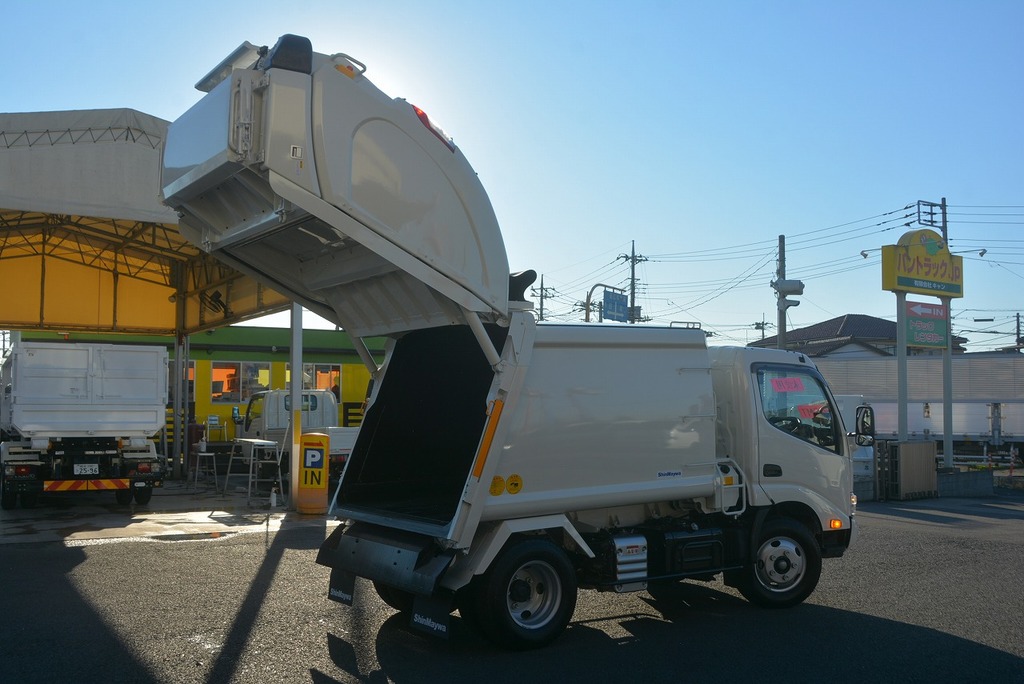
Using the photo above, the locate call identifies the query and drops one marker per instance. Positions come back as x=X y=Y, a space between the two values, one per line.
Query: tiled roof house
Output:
x=852 y=335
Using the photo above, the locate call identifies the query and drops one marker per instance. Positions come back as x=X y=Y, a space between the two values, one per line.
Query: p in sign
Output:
x=314 y=449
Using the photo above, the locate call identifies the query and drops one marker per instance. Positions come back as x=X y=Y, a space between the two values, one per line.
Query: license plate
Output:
x=87 y=469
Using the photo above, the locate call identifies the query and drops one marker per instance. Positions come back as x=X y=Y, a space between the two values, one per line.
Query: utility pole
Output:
x=540 y=292
x=761 y=325
x=947 y=353
x=632 y=283
x=634 y=313
x=782 y=288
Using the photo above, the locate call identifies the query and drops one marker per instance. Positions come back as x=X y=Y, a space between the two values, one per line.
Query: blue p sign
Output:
x=314 y=458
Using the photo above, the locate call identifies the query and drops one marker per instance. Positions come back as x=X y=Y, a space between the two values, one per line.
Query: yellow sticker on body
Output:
x=497 y=486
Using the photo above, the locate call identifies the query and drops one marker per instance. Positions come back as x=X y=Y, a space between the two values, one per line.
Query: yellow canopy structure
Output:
x=85 y=242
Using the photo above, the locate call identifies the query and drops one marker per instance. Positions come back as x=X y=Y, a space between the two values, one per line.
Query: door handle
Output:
x=771 y=470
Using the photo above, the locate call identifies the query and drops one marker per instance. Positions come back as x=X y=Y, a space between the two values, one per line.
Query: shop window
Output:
x=322 y=376
x=234 y=382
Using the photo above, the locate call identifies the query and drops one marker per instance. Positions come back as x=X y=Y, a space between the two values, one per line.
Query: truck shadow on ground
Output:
x=96 y=647
x=698 y=634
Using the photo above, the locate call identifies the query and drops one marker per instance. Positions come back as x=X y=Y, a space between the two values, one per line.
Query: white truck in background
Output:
x=80 y=417
x=267 y=416
x=501 y=465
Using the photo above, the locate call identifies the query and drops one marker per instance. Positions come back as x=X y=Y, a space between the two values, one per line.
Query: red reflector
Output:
x=436 y=130
x=23 y=470
x=145 y=467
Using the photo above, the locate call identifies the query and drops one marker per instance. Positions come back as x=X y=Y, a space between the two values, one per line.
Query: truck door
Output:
x=800 y=435
x=252 y=427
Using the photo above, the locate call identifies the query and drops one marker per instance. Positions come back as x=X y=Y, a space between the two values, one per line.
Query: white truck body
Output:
x=80 y=417
x=501 y=464
x=987 y=401
x=974 y=423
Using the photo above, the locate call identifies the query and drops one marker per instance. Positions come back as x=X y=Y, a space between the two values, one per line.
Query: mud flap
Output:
x=432 y=615
x=342 y=586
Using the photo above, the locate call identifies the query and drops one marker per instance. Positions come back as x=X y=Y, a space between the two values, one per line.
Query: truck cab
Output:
x=267 y=415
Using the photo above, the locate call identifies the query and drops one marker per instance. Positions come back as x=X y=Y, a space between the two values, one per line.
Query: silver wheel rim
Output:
x=534 y=595
x=780 y=564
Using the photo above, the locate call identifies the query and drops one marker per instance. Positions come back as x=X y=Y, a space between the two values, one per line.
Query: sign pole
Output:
x=947 y=387
x=901 y=365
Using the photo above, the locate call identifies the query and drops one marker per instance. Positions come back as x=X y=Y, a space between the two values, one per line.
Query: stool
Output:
x=211 y=467
x=254 y=453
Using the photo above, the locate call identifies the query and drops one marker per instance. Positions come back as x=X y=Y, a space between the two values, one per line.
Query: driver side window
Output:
x=794 y=402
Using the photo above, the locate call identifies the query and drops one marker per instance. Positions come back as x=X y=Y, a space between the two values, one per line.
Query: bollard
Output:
x=312 y=491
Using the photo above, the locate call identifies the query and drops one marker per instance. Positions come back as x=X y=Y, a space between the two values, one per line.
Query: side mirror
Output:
x=865 y=426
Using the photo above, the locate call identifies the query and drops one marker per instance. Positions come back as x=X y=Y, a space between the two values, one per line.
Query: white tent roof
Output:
x=98 y=162
x=86 y=242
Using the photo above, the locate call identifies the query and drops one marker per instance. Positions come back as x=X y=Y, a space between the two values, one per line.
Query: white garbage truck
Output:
x=502 y=464
x=78 y=417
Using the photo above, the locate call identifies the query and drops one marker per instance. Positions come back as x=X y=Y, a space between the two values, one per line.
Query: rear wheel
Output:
x=527 y=597
x=143 y=495
x=398 y=599
x=8 y=500
x=29 y=500
x=123 y=496
x=785 y=568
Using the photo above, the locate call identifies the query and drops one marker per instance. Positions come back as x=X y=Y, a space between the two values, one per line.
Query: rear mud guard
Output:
x=403 y=560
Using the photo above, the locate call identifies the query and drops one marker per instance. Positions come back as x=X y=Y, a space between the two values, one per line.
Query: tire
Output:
x=123 y=496
x=29 y=500
x=142 y=495
x=527 y=597
x=398 y=599
x=8 y=500
x=466 y=600
x=785 y=567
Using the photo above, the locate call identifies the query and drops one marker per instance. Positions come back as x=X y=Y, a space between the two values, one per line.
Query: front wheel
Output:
x=785 y=568
x=528 y=595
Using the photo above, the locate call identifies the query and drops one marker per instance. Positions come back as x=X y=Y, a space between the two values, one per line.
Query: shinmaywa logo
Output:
x=669 y=473
x=339 y=594
x=429 y=623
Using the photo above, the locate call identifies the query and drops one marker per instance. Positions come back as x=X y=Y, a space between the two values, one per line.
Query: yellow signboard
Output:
x=314 y=450
x=922 y=263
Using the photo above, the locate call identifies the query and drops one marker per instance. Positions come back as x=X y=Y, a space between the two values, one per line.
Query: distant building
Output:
x=851 y=336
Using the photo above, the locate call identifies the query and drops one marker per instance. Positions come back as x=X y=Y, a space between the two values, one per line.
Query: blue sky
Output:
x=700 y=130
